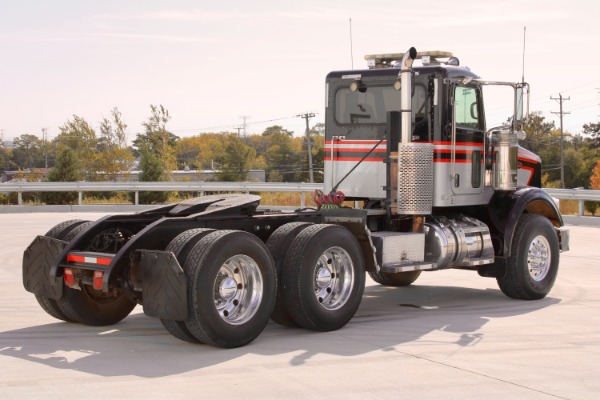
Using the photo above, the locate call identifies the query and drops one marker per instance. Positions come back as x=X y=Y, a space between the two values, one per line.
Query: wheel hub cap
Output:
x=238 y=289
x=228 y=288
x=323 y=277
x=538 y=258
x=334 y=278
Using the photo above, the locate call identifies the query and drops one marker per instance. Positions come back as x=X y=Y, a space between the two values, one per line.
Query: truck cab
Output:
x=363 y=120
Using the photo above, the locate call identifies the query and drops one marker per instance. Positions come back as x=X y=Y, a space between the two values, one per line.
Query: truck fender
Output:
x=356 y=222
x=533 y=201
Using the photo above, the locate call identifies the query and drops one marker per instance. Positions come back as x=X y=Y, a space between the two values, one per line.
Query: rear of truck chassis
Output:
x=437 y=191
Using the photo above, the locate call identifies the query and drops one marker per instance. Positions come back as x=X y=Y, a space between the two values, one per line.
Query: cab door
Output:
x=467 y=141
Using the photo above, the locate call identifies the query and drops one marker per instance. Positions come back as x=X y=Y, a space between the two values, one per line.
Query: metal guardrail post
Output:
x=137 y=198
x=20 y=198
x=581 y=207
x=302 y=200
x=79 y=198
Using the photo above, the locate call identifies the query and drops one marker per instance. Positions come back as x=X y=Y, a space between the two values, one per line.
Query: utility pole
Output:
x=245 y=119
x=45 y=139
x=308 y=116
x=560 y=100
x=238 y=129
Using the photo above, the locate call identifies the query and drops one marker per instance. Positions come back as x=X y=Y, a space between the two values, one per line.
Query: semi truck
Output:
x=413 y=181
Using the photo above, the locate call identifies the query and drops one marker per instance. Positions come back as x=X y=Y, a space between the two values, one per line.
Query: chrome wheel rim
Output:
x=538 y=258
x=238 y=289
x=334 y=278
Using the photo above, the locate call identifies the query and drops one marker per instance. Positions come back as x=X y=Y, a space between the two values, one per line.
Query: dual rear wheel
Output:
x=232 y=278
x=87 y=305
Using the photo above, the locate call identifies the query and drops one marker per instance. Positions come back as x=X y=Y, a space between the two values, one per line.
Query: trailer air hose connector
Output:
x=332 y=200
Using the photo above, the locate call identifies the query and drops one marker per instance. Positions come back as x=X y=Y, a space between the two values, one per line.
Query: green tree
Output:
x=28 y=152
x=66 y=169
x=151 y=170
x=78 y=135
x=6 y=159
x=155 y=147
x=237 y=160
x=540 y=133
x=593 y=131
x=156 y=139
x=283 y=154
x=113 y=154
x=317 y=133
x=277 y=129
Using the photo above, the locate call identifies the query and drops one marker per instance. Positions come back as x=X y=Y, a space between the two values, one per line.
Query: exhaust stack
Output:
x=406 y=94
x=414 y=189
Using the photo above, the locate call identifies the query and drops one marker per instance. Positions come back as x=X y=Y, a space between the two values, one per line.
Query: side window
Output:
x=467 y=108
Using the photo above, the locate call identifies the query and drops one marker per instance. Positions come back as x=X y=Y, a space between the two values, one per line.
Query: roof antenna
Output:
x=351 y=52
x=523 y=76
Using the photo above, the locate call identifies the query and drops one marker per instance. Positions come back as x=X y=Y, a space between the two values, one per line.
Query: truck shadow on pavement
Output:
x=389 y=319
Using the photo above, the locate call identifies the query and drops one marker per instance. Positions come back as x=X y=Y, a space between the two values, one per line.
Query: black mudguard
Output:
x=38 y=260
x=164 y=285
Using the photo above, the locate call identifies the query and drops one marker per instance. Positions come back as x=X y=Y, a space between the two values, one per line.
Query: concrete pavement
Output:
x=453 y=335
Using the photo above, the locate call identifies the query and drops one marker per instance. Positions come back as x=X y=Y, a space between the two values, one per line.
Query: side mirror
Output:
x=521 y=102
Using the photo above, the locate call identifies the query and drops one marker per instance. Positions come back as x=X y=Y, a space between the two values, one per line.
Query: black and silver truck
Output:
x=432 y=187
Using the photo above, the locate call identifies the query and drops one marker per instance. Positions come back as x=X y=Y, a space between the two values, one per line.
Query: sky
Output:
x=210 y=63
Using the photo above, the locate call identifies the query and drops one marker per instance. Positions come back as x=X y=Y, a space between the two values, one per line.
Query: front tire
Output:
x=324 y=277
x=399 y=279
x=533 y=265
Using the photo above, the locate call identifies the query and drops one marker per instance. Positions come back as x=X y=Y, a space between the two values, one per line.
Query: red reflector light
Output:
x=74 y=258
x=69 y=277
x=78 y=258
x=98 y=275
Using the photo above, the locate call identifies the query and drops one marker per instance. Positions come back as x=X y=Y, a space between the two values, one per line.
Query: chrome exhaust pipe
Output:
x=406 y=94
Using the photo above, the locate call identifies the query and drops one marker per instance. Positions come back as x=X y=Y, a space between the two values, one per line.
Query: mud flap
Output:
x=38 y=259
x=164 y=285
x=495 y=270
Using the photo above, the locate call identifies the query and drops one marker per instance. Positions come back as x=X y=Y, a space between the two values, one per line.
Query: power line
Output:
x=560 y=100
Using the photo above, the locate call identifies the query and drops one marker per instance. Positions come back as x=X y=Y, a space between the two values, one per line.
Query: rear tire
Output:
x=323 y=277
x=60 y=231
x=181 y=246
x=231 y=290
x=399 y=279
x=533 y=265
x=278 y=244
x=94 y=307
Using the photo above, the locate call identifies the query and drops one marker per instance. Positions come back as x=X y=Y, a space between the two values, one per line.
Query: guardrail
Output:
x=580 y=195
x=136 y=187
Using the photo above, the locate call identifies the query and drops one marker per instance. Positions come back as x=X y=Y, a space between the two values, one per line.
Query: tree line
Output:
x=84 y=152
x=81 y=152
